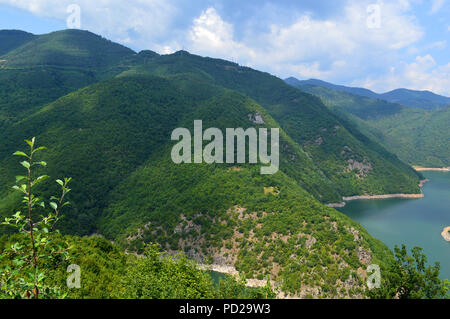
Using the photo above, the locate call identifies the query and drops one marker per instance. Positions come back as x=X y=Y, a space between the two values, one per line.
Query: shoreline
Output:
x=371 y=197
x=446 y=234
x=386 y=196
x=431 y=169
x=346 y=199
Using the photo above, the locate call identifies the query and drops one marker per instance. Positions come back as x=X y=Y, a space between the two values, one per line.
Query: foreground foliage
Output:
x=107 y=272
x=37 y=250
x=409 y=277
x=33 y=261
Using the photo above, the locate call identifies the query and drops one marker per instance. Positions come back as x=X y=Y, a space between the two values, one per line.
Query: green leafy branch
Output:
x=23 y=276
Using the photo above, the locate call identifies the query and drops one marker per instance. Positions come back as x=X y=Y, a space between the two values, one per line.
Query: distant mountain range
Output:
x=417 y=136
x=419 y=99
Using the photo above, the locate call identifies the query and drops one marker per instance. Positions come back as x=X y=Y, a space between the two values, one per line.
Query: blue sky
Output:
x=377 y=44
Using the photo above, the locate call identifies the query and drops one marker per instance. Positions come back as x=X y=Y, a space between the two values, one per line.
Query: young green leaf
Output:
x=42 y=163
x=19 y=178
x=25 y=164
x=39 y=149
x=19 y=153
x=31 y=143
x=39 y=179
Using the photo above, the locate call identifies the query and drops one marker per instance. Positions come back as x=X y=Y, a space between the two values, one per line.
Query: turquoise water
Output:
x=414 y=222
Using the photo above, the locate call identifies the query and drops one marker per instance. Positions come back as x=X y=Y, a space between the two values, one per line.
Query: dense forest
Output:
x=138 y=224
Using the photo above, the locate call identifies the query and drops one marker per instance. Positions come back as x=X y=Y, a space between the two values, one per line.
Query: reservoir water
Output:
x=414 y=222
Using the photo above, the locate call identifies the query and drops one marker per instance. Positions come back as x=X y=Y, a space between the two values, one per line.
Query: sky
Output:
x=377 y=44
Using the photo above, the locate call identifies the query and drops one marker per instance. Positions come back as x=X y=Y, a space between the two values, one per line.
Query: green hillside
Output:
x=419 y=99
x=133 y=192
x=74 y=48
x=416 y=136
x=419 y=138
x=110 y=131
x=36 y=70
x=11 y=39
x=324 y=167
x=307 y=121
x=109 y=273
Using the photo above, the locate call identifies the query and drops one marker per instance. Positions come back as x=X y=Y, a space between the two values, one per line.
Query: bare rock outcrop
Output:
x=446 y=233
x=363 y=255
x=256 y=118
x=310 y=242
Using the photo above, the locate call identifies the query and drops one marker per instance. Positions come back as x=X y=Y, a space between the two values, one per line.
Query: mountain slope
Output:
x=362 y=107
x=73 y=48
x=416 y=136
x=12 y=39
x=325 y=167
x=420 y=138
x=37 y=70
x=341 y=88
x=129 y=190
x=353 y=164
x=90 y=136
x=419 y=99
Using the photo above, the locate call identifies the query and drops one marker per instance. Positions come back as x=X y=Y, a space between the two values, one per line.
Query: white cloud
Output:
x=211 y=35
x=422 y=74
x=437 y=45
x=114 y=19
x=310 y=47
x=436 y=6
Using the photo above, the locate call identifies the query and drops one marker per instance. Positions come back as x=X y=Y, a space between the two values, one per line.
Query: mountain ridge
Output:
x=411 y=98
x=419 y=137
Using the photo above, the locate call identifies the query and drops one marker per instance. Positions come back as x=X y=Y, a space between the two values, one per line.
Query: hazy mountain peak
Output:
x=407 y=97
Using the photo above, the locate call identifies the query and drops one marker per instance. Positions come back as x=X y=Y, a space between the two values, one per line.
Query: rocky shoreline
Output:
x=369 y=197
x=336 y=205
x=230 y=270
x=385 y=196
x=446 y=233
x=423 y=182
x=432 y=169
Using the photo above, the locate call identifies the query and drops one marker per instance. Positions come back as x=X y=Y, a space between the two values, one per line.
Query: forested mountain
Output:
x=72 y=48
x=418 y=99
x=36 y=70
x=107 y=113
x=11 y=39
x=314 y=82
x=418 y=137
x=307 y=121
